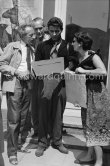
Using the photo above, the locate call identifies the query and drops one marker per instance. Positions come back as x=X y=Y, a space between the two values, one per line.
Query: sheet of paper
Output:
x=47 y=67
x=76 y=88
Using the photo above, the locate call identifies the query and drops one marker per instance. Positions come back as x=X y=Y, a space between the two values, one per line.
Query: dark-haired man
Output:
x=52 y=103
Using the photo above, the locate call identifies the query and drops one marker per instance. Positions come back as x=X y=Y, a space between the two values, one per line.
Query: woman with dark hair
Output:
x=97 y=114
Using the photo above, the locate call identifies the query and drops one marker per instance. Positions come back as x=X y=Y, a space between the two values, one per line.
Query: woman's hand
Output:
x=80 y=70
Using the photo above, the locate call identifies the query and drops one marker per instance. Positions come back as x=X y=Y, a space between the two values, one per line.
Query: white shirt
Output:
x=23 y=65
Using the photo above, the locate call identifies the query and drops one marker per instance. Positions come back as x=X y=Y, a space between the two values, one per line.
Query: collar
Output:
x=23 y=43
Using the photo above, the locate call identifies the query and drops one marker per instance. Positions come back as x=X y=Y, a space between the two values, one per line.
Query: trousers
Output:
x=35 y=106
x=18 y=107
x=52 y=101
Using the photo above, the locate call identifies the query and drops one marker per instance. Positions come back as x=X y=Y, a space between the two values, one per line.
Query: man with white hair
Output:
x=15 y=65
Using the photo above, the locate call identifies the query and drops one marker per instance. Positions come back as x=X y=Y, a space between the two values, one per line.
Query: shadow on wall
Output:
x=100 y=38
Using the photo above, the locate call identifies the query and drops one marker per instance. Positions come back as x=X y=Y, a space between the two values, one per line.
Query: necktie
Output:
x=28 y=59
x=54 y=51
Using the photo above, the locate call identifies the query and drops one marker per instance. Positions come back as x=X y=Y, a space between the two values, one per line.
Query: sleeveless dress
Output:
x=97 y=115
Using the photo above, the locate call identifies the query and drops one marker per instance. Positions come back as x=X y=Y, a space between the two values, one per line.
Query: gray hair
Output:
x=22 y=29
x=38 y=19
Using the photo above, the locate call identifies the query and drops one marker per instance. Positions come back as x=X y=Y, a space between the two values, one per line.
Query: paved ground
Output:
x=73 y=139
x=51 y=157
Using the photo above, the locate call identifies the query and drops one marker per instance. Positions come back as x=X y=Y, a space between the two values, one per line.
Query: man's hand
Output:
x=8 y=76
x=22 y=75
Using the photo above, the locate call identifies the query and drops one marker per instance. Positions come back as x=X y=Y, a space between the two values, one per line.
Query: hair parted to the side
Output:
x=55 y=21
x=85 y=39
x=22 y=29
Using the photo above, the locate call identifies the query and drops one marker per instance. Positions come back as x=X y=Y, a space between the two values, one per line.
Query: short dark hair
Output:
x=55 y=21
x=85 y=39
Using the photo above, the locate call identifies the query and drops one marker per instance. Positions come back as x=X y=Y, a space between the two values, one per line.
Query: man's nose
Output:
x=38 y=30
x=54 y=33
x=34 y=36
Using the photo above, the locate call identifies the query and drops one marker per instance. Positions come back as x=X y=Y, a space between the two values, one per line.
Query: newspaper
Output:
x=47 y=67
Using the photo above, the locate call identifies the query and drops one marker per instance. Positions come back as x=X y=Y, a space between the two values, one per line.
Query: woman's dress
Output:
x=97 y=115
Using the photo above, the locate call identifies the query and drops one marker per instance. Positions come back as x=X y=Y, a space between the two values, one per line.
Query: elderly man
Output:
x=40 y=31
x=41 y=36
x=15 y=65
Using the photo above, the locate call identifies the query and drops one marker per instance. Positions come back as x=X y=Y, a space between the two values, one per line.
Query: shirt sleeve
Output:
x=5 y=59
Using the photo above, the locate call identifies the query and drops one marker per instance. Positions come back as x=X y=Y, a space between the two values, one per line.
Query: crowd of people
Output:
x=46 y=99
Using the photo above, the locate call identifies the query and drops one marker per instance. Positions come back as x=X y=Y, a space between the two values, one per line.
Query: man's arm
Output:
x=5 y=59
x=6 y=69
x=7 y=54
